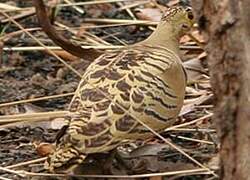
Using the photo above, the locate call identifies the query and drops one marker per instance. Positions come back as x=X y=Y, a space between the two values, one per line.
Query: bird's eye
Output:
x=190 y=16
x=189 y=13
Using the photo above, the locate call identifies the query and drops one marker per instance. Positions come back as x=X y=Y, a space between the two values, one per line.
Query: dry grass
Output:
x=199 y=83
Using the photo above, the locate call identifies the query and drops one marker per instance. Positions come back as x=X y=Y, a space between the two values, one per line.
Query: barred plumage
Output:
x=146 y=79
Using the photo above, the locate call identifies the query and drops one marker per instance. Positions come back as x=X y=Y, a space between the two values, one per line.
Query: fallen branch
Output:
x=74 y=49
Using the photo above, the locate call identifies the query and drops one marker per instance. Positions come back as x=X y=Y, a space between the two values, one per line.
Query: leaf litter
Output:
x=28 y=74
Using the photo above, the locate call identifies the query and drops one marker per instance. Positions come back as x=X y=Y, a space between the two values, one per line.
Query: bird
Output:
x=144 y=81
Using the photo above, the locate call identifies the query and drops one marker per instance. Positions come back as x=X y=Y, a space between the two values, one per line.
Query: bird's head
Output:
x=179 y=18
x=175 y=23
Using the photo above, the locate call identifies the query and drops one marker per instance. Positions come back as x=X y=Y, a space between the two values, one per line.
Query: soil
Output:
x=32 y=74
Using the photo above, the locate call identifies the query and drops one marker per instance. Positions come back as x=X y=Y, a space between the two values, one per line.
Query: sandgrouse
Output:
x=143 y=81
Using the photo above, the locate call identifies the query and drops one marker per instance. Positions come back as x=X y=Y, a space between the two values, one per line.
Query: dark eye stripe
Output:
x=188 y=9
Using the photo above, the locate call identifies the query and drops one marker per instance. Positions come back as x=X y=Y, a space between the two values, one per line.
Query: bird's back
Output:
x=140 y=82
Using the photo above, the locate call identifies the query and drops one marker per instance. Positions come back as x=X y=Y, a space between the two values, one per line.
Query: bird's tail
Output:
x=65 y=159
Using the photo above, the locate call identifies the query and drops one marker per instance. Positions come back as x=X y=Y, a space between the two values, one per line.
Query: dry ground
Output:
x=28 y=73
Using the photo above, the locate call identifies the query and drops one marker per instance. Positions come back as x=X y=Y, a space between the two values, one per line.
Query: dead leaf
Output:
x=31 y=108
x=148 y=150
x=197 y=34
x=194 y=69
x=57 y=123
x=214 y=162
x=173 y=3
x=96 y=10
x=202 y=56
x=150 y=14
x=190 y=104
x=193 y=91
x=185 y=39
x=44 y=149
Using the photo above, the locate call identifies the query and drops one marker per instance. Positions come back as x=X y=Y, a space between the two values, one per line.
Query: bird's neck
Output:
x=165 y=36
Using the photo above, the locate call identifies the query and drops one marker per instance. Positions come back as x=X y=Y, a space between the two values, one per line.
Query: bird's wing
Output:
x=131 y=79
x=116 y=89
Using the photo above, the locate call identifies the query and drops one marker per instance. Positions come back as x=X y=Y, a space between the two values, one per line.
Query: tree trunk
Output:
x=226 y=25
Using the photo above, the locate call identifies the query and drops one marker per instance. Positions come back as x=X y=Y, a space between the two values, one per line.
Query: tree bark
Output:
x=226 y=25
